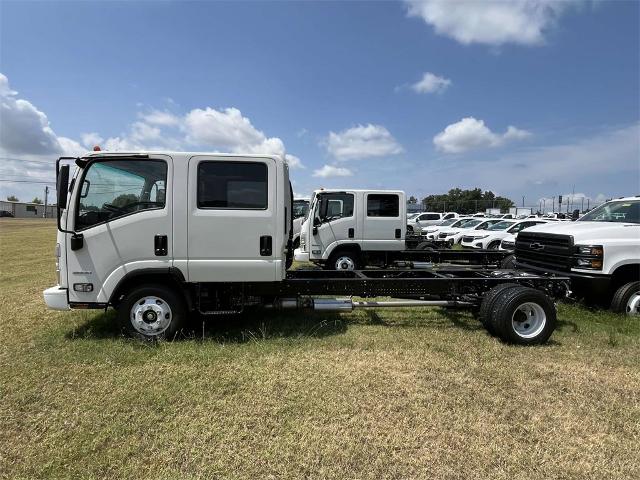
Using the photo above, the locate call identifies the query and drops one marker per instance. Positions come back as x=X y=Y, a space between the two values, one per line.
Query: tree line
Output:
x=464 y=201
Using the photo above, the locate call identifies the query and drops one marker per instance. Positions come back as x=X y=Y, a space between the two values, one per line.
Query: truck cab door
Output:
x=122 y=219
x=334 y=222
x=233 y=232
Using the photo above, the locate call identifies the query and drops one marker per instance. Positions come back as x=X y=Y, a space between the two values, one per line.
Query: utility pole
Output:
x=46 y=198
x=553 y=210
x=523 y=200
x=582 y=208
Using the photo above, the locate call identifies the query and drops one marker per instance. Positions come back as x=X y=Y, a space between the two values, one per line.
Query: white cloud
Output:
x=362 y=141
x=91 y=139
x=328 y=171
x=471 y=134
x=490 y=22
x=24 y=130
x=159 y=117
x=431 y=83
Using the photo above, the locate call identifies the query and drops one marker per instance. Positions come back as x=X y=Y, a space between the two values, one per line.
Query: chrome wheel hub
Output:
x=150 y=315
x=528 y=320
x=345 y=263
x=633 y=304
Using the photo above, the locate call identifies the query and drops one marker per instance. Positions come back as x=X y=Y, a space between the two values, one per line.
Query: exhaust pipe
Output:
x=347 y=304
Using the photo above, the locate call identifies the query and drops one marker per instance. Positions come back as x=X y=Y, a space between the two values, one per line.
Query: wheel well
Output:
x=625 y=274
x=349 y=247
x=167 y=278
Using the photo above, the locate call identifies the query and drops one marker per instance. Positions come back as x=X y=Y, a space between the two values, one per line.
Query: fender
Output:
x=173 y=273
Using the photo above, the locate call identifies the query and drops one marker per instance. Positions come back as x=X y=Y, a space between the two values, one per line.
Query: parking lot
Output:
x=413 y=393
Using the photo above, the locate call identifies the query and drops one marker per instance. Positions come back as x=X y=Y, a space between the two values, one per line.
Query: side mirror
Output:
x=62 y=186
x=316 y=222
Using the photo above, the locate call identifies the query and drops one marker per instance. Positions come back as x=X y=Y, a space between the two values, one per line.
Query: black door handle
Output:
x=351 y=233
x=160 y=245
x=265 y=246
x=398 y=233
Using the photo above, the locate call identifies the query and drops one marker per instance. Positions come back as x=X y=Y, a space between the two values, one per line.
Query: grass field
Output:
x=412 y=393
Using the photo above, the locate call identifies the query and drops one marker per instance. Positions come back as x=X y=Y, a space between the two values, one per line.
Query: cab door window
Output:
x=335 y=205
x=115 y=188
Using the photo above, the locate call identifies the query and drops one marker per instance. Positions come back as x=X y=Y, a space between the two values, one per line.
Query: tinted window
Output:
x=241 y=185
x=115 y=188
x=428 y=216
x=381 y=205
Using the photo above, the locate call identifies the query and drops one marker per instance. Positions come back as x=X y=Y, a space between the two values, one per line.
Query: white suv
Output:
x=453 y=235
x=490 y=238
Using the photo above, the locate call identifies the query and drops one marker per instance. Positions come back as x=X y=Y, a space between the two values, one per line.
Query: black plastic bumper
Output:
x=582 y=284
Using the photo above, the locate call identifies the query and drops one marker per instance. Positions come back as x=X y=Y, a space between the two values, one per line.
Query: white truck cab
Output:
x=600 y=252
x=344 y=224
x=192 y=216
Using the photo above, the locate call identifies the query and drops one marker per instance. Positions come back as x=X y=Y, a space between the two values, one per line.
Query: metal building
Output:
x=28 y=209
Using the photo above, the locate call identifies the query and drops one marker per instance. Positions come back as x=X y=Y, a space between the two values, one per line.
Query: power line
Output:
x=8 y=180
x=52 y=162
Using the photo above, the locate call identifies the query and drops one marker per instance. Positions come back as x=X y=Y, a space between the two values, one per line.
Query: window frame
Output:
x=86 y=169
x=369 y=195
x=325 y=197
x=201 y=162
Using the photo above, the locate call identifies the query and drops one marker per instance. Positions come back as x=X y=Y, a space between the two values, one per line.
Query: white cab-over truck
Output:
x=159 y=235
x=600 y=252
x=348 y=229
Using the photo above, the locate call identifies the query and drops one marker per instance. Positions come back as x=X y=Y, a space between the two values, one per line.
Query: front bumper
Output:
x=56 y=298
x=300 y=256
x=597 y=286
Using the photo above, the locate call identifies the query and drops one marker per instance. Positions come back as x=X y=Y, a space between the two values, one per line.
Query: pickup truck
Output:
x=600 y=252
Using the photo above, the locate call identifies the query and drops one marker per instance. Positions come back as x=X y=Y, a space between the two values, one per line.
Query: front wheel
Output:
x=152 y=312
x=345 y=261
x=627 y=299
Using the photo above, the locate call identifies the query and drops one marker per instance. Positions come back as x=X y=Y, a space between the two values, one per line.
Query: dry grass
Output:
x=393 y=394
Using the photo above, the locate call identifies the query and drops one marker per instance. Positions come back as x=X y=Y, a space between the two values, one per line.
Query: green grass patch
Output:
x=406 y=393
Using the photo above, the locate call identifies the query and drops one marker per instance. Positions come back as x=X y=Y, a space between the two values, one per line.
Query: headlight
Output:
x=595 y=250
x=480 y=237
x=589 y=257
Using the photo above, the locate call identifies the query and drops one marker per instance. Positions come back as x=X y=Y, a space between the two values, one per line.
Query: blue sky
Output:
x=525 y=98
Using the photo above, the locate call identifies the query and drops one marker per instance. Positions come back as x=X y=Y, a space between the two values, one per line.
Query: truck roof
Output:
x=173 y=153
x=355 y=190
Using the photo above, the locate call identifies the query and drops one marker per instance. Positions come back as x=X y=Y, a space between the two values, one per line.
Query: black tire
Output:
x=424 y=246
x=623 y=296
x=524 y=316
x=133 y=323
x=484 y=314
x=493 y=246
x=508 y=262
x=344 y=258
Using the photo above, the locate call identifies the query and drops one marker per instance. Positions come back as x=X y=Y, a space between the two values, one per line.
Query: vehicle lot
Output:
x=412 y=393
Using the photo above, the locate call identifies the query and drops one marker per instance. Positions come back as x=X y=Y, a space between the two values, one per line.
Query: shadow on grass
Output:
x=242 y=328
x=460 y=320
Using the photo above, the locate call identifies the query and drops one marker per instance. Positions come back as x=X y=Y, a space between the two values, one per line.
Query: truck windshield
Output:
x=621 y=212
x=501 y=226
x=300 y=208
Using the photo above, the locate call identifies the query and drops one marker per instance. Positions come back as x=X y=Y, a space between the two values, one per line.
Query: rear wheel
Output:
x=152 y=312
x=344 y=260
x=484 y=314
x=627 y=299
x=524 y=316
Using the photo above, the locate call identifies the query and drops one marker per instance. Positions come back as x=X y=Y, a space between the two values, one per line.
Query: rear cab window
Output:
x=232 y=185
x=383 y=205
